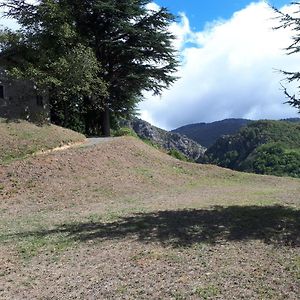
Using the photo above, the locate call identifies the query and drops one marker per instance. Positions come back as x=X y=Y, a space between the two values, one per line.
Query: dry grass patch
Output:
x=122 y=220
x=21 y=138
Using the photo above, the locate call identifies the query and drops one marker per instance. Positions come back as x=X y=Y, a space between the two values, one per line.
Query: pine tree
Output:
x=131 y=44
x=291 y=21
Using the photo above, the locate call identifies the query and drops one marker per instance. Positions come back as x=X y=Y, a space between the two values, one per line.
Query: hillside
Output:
x=122 y=220
x=207 y=133
x=21 y=138
x=263 y=147
x=170 y=141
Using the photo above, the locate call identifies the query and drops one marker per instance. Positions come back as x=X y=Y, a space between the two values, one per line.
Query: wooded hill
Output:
x=207 y=133
x=263 y=147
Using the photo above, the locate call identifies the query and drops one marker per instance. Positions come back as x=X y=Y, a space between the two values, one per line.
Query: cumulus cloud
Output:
x=153 y=6
x=228 y=71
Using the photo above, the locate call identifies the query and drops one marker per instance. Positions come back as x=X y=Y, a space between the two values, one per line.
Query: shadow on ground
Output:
x=275 y=225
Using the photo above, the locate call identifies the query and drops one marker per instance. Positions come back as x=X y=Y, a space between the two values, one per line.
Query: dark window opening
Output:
x=39 y=100
x=1 y=91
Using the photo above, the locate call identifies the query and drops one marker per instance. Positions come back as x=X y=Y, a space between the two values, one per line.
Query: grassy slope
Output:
x=125 y=221
x=19 y=139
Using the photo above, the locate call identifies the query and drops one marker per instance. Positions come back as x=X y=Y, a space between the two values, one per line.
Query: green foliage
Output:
x=274 y=159
x=207 y=133
x=264 y=147
x=96 y=57
x=291 y=21
x=125 y=131
x=176 y=154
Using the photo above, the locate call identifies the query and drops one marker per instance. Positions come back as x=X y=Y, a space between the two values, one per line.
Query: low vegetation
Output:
x=20 y=139
x=263 y=147
x=126 y=131
x=122 y=220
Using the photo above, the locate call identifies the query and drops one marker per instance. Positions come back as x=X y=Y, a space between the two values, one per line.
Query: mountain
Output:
x=263 y=147
x=207 y=133
x=170 y=141
x=292 y=120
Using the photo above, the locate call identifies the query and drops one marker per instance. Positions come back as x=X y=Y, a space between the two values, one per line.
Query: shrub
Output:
x=124 y=131
x=176 y=154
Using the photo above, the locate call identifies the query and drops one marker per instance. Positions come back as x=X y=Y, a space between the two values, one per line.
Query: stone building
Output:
x=19 y=99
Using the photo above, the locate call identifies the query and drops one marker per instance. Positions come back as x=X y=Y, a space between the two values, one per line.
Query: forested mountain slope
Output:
x=207 y=133
x=263 y=147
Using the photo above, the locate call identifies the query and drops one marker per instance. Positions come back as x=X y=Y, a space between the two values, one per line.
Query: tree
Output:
x=291 y=21
x=132 y=46
x=48 y=51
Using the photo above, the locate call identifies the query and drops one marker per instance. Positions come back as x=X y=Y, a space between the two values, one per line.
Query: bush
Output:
x=176 y=154
x=124 y=131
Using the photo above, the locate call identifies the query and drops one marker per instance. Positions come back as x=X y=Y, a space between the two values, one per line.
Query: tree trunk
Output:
x=105 y=122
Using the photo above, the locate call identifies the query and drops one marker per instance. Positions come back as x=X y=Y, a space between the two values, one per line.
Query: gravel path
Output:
x=97 y=140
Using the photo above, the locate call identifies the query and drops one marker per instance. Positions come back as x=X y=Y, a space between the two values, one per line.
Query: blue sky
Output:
x=200 y=12
x=230 y=54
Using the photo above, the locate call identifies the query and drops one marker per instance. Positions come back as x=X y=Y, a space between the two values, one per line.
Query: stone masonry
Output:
x=19 y=99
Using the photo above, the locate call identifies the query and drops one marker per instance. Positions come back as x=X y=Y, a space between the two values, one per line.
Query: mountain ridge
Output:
x=206 y=134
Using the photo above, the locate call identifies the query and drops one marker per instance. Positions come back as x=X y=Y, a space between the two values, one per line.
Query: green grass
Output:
x=152 y=144
x=34 y=245
x=294 y=267
x=207 y=292
x=178 y=155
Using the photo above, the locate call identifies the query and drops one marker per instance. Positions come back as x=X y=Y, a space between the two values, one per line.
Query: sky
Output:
x=230 y=57
x=229 y=60
x=200 y=12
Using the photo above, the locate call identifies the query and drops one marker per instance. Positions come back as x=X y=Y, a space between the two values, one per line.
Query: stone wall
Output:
x=19 y=99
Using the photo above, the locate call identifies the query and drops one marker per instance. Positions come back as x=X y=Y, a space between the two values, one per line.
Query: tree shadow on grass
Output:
x=275 y=225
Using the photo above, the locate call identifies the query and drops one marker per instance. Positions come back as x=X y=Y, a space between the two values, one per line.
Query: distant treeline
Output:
x=263 y=147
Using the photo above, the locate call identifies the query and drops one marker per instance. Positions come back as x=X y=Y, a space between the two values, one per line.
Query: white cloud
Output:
x=152 y=6
x=228 y=72
x=182 y=32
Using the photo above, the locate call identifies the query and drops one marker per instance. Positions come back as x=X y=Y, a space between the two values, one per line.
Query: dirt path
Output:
x=98 y=140
x=120 y=220
x=88 y=142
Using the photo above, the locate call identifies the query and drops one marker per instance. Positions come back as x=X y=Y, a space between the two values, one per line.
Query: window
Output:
x=1 y=92
x=39 y=100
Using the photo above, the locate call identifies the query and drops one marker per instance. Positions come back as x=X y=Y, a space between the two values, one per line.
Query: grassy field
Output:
x=122 y=220
x=21 y=138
